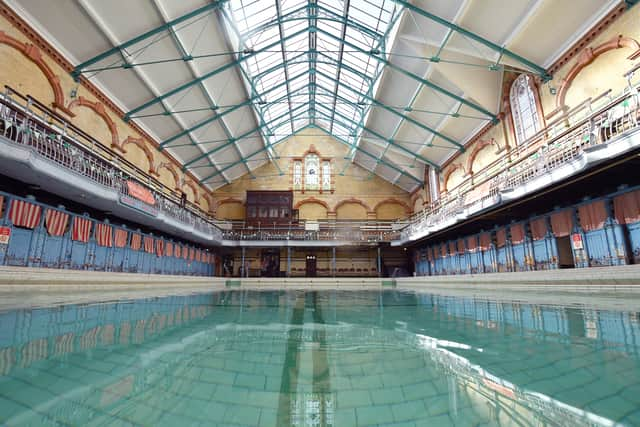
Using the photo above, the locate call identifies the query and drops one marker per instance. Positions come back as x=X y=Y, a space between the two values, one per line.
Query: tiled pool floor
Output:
x=319 y=358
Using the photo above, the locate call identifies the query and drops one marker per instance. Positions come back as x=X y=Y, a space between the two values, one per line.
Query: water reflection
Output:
x=323 y=358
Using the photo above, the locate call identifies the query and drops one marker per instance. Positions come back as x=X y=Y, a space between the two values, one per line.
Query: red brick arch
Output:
x=448 y=173
x=98 y=108
x=352 y=200
x=209 y=200
x=393 y=201
x=35 y=55
x=587 y=56
x=477 y=149
x=194 y=188
x=310 y=200
x=172 y=169
x=144 y=147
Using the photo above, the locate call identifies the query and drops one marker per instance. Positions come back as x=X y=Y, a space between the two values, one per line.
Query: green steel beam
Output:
x=343 y=35
x=203 y=89
x=284 y=57
x=388 y=141
x=206 y=76
x=491 y=45
x=397 y=113
x=224 y=113
x=373 y=156
x=301 y=13
x=258 y=151
x=417 y=78
x=244 y=74
x=228 y=143
x=208 y=7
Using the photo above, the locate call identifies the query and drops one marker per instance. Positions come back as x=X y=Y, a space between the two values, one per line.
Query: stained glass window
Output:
x=312 y=172
x=326 y=175
x=524 y=108
x=297 y=175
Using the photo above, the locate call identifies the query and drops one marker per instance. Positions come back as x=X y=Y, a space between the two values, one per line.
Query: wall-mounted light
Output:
x=74 y=92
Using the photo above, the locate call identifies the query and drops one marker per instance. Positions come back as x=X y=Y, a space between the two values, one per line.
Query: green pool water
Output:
x=319 y=358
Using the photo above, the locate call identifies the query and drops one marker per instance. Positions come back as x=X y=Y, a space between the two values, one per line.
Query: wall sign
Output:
x=576 y=241
x=138 y=205
x=5 y=235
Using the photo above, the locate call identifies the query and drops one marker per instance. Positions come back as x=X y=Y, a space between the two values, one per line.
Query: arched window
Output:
x=312 y=172
x=524 y=108
x=297 y=175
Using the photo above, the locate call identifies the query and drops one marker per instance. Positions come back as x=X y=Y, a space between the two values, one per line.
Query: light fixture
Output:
x=248 y=51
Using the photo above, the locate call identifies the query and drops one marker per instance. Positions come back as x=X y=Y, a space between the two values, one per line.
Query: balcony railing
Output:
x=323 y=230
x=593 y=123
x=27 y=122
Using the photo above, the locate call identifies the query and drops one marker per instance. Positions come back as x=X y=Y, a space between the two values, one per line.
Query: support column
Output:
x=243 y=267
x=333 y=261
x=379 y=262
x=288 y=261
x=434 y=184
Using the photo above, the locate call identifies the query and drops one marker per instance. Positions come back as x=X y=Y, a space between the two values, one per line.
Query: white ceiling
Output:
x=396 y=108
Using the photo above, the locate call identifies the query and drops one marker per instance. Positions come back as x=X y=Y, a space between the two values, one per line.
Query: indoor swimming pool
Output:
x=319 y=358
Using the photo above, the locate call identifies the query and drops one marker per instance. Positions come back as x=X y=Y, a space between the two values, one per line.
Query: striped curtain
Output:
x=452 y=248
x=538 y=228
x=443 y=250
x=56 y=222
x=485 y=241
x=593 y=215
x=159 y=247
x=168 y=249
x=1 y=203
x=120 y=238
x=626 y=206
x=136 y=241
x=562 y=223
x=472 y=243
x=185 y=252
x=192 y=254
x=81 y=229
x=517 y=233
x=461 y=248
x=177 y=251
x=148 y=244
x=104 y=236
x=24 y=214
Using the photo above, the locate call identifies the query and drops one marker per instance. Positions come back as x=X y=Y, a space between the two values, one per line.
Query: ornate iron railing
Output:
x=25 y=121
x=593 y=123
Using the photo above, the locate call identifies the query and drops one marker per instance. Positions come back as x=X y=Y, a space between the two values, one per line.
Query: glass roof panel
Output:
x=315 y=62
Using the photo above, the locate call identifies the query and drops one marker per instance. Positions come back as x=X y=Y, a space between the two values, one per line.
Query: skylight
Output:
x=311 y=62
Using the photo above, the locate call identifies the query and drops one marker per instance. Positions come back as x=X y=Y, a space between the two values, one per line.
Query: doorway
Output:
x=311 y=266
x=565 y=253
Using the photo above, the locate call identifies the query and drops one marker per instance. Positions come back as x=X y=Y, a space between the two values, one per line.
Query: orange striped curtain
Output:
x=136 y=241
x=593 y=215
x=472 y=243
x=538 y=228
x=452 y=248
x=626 y=207
x=120 y=238
x=485 y=241
x=562 y=223
x=517 y=233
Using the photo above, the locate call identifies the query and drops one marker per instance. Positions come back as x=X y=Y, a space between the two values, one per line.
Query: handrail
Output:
x=558 y=143
x=61 y=143
x=61 y=124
